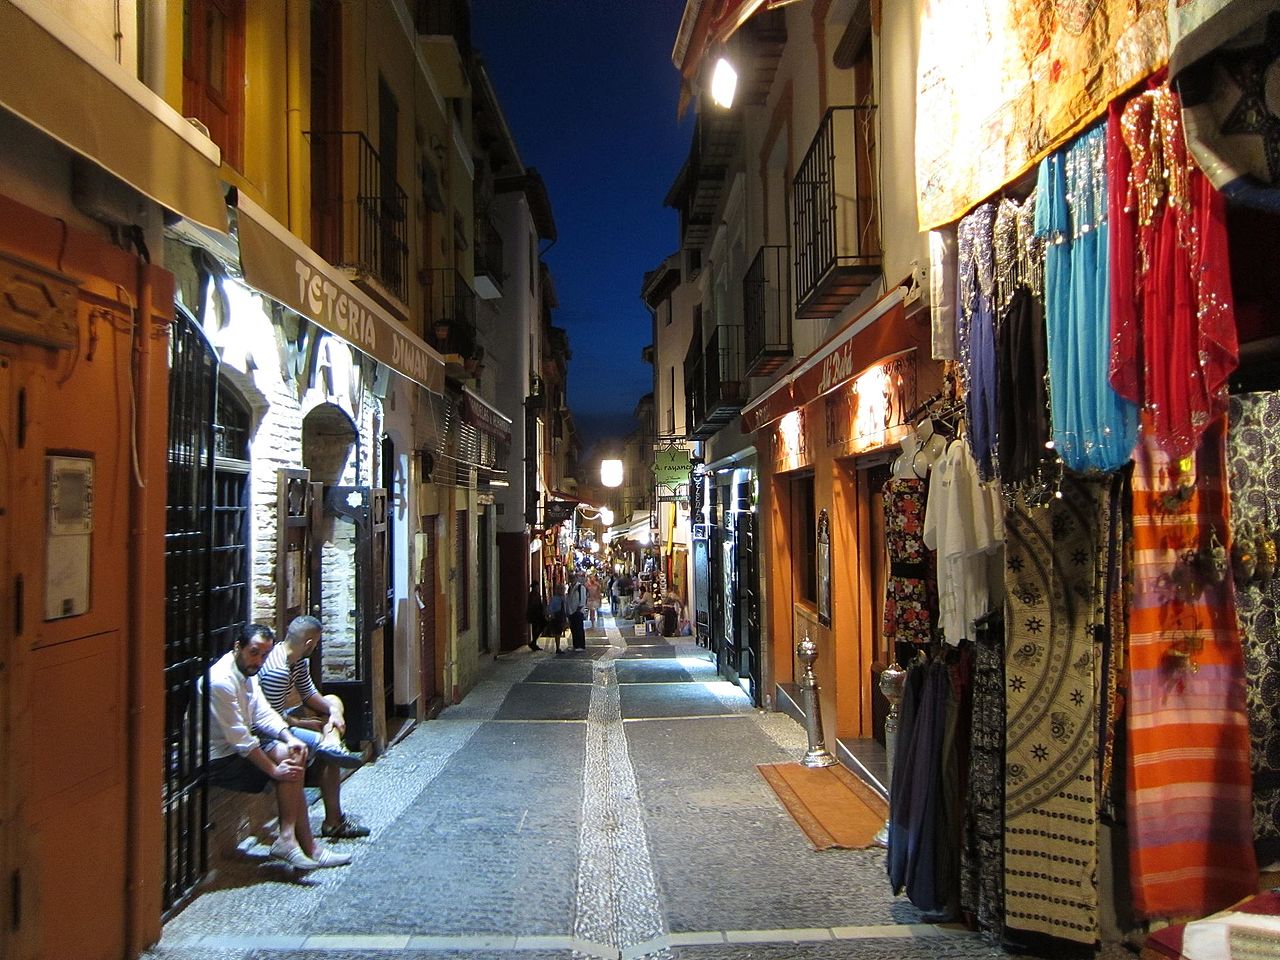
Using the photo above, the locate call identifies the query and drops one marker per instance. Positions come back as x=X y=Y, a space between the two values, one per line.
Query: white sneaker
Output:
x=293 y=856
x=324 y=857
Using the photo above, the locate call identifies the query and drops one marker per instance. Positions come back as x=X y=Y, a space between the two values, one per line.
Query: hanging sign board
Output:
x=558 y=511
x=671 y=467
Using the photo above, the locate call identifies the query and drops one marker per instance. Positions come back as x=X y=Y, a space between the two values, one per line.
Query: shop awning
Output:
x=638 y=525
x=284 y=268
x=485 y=417
x=829 y=366
x=63 y=85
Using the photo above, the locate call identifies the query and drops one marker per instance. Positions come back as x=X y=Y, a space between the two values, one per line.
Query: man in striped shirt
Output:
x=313 y=718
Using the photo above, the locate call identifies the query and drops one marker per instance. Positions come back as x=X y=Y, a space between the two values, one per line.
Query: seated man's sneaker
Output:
x=339 y=755
x=293 y=856
x=324 y=857
x=348 y=828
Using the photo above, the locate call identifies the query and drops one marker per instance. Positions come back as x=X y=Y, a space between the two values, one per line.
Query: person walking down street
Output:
x=613 y=594
x=536 y=614
x=556 y=607
x=576 y=602
x=593 y=598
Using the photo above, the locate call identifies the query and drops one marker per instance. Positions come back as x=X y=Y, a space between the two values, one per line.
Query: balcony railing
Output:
x=766 y=311
x=836 y=238
x=360 y=210
x=488 y=259
x=451 y=308
x=714 y=380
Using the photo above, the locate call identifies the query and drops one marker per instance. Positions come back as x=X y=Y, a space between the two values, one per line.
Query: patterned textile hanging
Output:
x=1111 y=643
x=1053 y=556
x=1190 y=826
x=982 y=858
x=1253 y=454
x=911 y=588
x=1173 y=320
x=976 y=334
x=1093 y=427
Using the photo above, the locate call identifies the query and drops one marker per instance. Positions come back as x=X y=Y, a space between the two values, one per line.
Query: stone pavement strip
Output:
x=592 y=805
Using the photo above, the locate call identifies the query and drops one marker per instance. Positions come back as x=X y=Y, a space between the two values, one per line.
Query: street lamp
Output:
x=611 y=473
x=724 y=83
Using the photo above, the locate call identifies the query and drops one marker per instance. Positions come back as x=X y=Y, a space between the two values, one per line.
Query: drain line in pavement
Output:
x=617 y=894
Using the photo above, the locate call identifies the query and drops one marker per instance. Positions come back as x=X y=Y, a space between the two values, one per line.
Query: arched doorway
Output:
x=347 y=569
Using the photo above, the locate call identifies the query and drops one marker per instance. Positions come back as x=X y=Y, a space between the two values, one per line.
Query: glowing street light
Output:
x=611 y=473
x=724 y=83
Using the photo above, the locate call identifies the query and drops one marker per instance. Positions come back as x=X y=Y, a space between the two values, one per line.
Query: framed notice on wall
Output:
x=824 y=569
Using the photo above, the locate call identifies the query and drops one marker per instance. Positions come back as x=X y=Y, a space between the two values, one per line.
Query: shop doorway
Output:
x=346 y=570
x=425 y=590
x=486 y=583
x=735 y=584
x=389 y=594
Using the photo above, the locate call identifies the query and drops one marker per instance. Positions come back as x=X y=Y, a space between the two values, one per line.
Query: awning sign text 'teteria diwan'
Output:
x=281 y=266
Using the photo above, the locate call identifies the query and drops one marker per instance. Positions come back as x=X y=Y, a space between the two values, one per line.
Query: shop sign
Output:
x=484 y=417
x=871 y=411
x=671 y=467
x=790 y=451
x=558 y=511
x=276 y=263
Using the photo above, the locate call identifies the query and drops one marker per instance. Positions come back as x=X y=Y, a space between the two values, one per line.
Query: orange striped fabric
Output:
x=1190 y=819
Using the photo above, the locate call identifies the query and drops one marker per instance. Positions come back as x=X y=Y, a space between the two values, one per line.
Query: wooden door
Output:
x=295 y=499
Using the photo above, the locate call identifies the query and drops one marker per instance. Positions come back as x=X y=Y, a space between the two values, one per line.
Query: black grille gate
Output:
x=193 y=384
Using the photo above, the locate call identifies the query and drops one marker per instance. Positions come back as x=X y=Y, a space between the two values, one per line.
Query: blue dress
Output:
x=1094 y=428
x=976 y=332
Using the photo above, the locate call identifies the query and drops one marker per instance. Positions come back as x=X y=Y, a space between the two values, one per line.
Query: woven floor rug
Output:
x=831 y=805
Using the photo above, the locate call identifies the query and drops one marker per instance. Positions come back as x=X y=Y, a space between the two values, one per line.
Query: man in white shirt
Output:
x=250 y=745
x=315 y=719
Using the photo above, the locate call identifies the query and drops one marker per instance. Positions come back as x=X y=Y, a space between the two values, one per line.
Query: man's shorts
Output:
x=237 y=773
x=243 y=775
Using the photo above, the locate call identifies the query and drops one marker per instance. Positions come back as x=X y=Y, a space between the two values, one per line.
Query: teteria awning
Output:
x=58 y=82
x=284 y=268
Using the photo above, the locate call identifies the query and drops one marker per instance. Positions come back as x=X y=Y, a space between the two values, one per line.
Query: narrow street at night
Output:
x=623 y=479
x=599 y=804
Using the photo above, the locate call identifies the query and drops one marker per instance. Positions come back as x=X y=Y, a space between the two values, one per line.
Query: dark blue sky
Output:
x=590 y=94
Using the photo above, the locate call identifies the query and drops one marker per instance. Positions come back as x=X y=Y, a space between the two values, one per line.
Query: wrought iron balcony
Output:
x=836 y=228
x=766 y=309
x=488 y=259
x=714 y=381
x=451 y=308
x=359 y=210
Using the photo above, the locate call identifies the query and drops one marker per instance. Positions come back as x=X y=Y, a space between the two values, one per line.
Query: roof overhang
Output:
x=61 y=84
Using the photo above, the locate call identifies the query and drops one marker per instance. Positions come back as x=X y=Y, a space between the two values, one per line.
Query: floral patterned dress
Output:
x=911 y=589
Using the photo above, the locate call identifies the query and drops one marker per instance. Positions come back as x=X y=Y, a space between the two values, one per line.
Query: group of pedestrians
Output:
x=575 y=607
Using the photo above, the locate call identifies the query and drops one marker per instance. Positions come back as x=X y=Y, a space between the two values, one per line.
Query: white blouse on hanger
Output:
x=964 y=524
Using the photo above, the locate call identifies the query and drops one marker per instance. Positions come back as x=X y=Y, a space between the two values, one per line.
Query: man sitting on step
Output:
x=250 y=745
x=314 y=719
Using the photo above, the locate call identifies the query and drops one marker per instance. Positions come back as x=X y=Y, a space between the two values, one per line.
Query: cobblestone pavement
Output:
x=597 y=805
